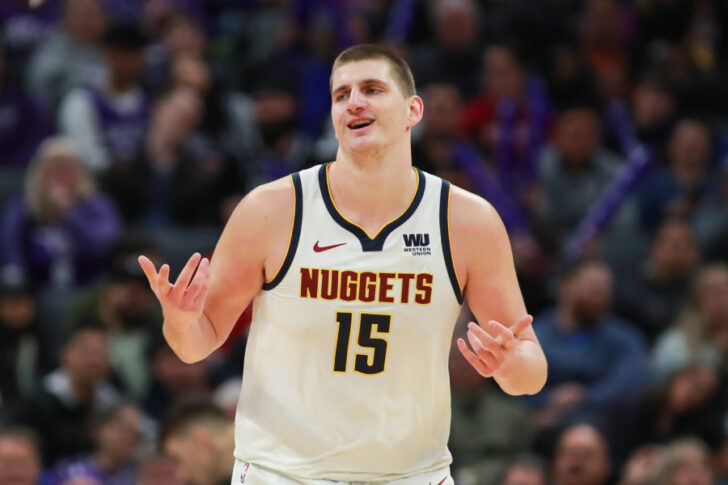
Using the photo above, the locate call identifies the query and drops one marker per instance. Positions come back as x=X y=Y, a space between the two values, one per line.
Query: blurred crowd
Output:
x=597 y=128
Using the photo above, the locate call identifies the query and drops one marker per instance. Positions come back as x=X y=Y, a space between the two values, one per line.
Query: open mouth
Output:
x=358 y=124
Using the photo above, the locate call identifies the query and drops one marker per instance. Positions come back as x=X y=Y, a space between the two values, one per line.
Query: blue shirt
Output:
x=609 y=359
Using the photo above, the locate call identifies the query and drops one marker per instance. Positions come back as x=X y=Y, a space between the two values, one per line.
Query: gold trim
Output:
x=333 y=202
x=290 y=236
x=449 y=240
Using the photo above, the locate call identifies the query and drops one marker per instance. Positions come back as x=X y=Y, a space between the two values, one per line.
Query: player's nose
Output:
x=356 y=101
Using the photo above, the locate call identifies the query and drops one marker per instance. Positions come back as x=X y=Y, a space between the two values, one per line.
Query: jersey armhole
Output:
x=295 y=233
x=446 y=244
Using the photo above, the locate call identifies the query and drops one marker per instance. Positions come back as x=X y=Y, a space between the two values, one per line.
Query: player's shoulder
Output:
x=470 y=212
x=267 y=204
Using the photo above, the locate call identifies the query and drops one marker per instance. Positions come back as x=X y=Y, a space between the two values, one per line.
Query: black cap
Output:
x=125 y=37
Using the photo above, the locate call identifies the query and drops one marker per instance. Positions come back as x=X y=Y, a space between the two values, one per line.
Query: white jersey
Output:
x=346 y=367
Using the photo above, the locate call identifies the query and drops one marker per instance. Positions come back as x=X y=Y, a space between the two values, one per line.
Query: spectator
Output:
x=654 y=109
x=108 y=122
x=20 y=461
x=568 y=76
x=25 y=26
x=487 y=427
x=641 y=467
x=125 y=308
x=178 y=34
x=59 y=410
x=24 y=352
x=582 y=457
x=179 y=177
x=700 y=334
x=525 y=470
x=227 y=118
x=200 y=438
x=433 y=151
x=509 y=119
x=24 y=122
x=158 y=470
x=604 y=44
x=574 y=170
x=650 y=296
x=58 y=233
x=680 y=188
x=685 y=462
x=172 y=379
x=70 y=58
x=596 y=360
x=115 y=433
x=689 y=404
x=453 y=55
x=279 y=146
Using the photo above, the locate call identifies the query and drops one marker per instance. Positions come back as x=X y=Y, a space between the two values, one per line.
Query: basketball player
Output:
x=358 y=269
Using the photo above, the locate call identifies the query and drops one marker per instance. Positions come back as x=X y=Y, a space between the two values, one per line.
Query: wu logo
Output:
x=417 y=243
x=417 y=240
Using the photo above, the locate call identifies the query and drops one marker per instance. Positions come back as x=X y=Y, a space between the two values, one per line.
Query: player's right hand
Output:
x=183 y=301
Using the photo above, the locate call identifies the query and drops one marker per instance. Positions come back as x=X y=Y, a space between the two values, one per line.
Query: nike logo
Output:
x=442 y=481
x=318 y=248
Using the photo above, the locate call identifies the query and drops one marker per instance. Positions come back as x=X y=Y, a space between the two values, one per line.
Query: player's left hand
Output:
x=492 y=350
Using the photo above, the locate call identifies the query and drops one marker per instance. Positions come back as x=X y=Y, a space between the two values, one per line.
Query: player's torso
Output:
x=346 y=366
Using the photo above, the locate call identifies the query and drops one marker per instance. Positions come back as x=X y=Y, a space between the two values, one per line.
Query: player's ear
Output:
x=416 y=109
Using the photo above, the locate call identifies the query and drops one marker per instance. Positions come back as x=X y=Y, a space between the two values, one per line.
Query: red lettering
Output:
x=424 y=285
x=309 y=283
x=385 y=286
x=367 y=286
x=329 y=289
x=406 y=278
x=348 y=285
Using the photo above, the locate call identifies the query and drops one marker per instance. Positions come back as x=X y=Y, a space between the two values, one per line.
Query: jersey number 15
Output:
x=363 y=363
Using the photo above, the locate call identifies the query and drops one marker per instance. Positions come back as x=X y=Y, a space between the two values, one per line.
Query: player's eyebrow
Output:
x=346 y=87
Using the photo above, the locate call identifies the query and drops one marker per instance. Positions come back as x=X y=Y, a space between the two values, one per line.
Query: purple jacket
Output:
x=73 y=252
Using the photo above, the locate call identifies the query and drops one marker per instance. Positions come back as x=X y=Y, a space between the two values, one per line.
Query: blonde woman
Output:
x=57 y=233
x=700 y=334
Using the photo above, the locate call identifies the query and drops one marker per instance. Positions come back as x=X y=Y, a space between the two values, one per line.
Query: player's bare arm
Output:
x=200 y=311
x=504 y=345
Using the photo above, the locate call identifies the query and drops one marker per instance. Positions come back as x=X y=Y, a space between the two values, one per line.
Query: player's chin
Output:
x=362 y=145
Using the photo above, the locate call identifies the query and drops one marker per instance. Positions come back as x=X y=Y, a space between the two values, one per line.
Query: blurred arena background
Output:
x=597 y=128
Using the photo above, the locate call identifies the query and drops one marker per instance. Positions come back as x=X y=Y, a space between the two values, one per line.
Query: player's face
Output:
x=369 y=111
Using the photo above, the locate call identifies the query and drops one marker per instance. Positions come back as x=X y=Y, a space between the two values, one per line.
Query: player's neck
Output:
x=372 y=191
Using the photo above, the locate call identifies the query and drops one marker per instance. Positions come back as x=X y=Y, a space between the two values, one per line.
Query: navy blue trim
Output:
x=445 y=235
x=295 y=235
x=367 y=243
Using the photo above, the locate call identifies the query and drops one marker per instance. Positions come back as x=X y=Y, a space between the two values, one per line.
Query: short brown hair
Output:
x=188 y=412
x=364 y=52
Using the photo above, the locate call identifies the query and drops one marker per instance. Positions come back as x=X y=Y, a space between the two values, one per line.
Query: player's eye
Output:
x=340 y=97
x=373 y=90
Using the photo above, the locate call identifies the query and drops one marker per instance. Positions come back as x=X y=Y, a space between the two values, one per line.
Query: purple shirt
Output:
x=72 y=252
x=123 y=133
x=23 y=125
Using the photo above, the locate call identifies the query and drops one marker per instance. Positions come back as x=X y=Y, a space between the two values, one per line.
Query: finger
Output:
x=183 y=280
x=521 y=325
x=198 y=281
x=481 y=351
x=199 y=300
x=473 y=359
x=200 y=297
x=495 y=347
x=503 y=332
x=163 y=284
x=150 y=271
